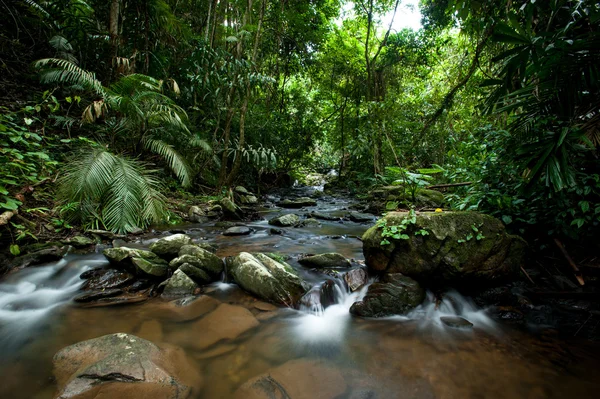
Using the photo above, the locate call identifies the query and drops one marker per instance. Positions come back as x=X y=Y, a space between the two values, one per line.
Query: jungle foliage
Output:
x=502 y=94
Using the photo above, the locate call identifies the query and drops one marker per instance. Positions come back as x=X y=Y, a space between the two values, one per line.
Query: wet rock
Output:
x=168 y=247
x=42 y=256
x=94 y=296
x=325 y=261
x=188 y=308
x=237 y=231
x=225 y=224
x=80 y=241
x=297 y=203
x=122 y=366
x=360 y=217
x=195 y=273
x=322 y=216
x=276 y=231
x=137 y=260
x=119 y=300
x=179 y=285
x=289 y=220
x=310 y=223
x=456 y=322
x=106 y=279
x=197 y=214
x=327 y=293
x=200 y=258
x=242 y=190
x=248 y=200
x=264 y=306
x=226 y=322
x=459 y=248
x=230 y=210
x=151 y=268
x=136 y=231
x=296 y=379
x=356 y=279
x=212 y=248
x=395 y=294
x=102 y=234
x=266 y=278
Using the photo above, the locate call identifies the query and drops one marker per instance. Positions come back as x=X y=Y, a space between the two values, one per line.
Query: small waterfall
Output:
x=29 y=296
x=326 y=324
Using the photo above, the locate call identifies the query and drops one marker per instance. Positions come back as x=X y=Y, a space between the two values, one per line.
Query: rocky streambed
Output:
x=284 y=306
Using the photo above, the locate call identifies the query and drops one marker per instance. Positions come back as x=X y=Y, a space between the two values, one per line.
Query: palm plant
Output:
x=145 y=115
x=103 y=190
x=132 y=113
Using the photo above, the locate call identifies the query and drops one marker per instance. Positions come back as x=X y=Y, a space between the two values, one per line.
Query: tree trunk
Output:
x=113 y=29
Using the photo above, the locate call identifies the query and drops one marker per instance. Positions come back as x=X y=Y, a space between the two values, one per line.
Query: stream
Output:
x=411 y=356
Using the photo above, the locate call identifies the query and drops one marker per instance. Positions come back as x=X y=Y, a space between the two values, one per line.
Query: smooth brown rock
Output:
x=224 y=323
x=296 y=379
x=123 y=366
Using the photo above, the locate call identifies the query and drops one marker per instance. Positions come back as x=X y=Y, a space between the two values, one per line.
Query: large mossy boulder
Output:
x=266 y=278
x=137 y=260
x=168 y=247
x=448 y=248
x=123 y=366
x=395 y=294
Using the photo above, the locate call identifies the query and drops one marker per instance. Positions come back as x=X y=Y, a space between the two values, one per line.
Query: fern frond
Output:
x=197 y=142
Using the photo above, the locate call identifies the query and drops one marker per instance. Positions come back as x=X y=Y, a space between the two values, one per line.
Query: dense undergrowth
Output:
x=116 y=112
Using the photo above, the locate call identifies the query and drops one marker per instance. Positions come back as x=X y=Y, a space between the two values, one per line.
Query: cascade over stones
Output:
x=395 y=294
x=123 y=366
x=458 y=248
x=266 y=278
x=168 y=247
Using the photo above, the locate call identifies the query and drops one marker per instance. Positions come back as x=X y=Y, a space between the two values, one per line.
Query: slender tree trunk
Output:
x=146 y=39
x=113 y=31
x=244 y=109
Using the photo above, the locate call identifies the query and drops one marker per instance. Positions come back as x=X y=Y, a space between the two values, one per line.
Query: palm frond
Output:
x=59 y=71
x=176 y=161
x=113 y=191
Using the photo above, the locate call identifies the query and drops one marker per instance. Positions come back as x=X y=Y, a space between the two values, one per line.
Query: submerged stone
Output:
x=123 y=366
x=237 y=231
x=456 y=322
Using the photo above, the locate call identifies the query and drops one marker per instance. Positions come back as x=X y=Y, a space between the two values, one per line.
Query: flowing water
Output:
x=412 y=356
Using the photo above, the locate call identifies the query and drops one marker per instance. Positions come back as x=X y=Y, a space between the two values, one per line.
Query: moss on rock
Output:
x=458 y=247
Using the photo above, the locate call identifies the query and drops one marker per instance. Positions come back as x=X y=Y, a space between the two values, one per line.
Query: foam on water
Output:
x=327 y=325
x=29 y=296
